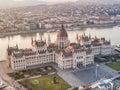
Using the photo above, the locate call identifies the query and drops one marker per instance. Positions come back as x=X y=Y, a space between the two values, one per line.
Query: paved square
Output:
x=80 y=77
x=89 y=75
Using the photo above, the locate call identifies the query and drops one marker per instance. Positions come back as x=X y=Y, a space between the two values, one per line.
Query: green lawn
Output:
x=114 y=65
x=32 y=72
x=45 y=83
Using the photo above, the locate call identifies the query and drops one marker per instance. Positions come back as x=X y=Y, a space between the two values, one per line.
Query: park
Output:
x=51 y=82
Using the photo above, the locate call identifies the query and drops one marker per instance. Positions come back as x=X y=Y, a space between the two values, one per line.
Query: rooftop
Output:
x=116 y=81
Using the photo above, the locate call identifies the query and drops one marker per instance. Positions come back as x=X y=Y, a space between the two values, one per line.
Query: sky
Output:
x=51 y=0
x=15 y=3
x=38 y=0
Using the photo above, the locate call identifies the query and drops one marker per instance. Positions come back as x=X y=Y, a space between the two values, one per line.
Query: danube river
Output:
x=24 y=40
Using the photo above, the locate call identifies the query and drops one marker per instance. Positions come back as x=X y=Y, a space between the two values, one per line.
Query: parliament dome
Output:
x=62 y=32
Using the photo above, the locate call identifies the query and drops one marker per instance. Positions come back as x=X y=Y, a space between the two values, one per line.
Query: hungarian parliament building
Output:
x=62 y=52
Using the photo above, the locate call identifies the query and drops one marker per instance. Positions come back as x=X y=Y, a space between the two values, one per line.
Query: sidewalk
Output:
x=11 y=82
x=38 y=76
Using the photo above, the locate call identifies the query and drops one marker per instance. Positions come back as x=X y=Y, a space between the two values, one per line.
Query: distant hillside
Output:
x=99 y=1
x=12 y=3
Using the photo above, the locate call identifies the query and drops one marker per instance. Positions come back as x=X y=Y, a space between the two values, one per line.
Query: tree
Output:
x=54 y=80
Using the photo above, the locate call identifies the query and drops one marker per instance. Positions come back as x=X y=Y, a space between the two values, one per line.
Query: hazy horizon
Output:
x=19 y=3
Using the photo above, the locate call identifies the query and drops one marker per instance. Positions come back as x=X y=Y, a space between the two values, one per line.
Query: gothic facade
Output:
x=62 y=52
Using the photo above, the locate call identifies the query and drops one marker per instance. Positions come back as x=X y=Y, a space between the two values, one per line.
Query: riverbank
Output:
x=4 y=34
x=24 y=40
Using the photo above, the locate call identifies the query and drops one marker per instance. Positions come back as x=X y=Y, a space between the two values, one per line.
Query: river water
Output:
x=24 y=40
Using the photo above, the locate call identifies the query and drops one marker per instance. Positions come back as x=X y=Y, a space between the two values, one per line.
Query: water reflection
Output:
x=24 y=40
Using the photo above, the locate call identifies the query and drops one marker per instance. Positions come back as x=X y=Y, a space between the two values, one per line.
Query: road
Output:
x=3 y=74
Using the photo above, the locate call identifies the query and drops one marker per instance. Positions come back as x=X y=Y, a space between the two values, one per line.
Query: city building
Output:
x=99 y=46
x=105 y=84
x=116 y=82
x=62 y=52
x=102 y=85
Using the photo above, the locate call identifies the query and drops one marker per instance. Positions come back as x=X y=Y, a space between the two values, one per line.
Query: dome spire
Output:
x=62 y=32
x=32 y=41
x=45 y=39
x=62 y=27
x=8 y=46
x=41 y=36
x=16 y=45
x=89 y=35
x=76 y=36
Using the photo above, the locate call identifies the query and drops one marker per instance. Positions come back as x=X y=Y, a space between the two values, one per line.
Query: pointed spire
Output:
x=84 y=34
x=62 y=27
x=41 y=37
x=110 y=40
x=95 y=37
x=89 y=35
x=45 y=40
x=16 y=45
x=49 y=39
x=32 y=41
x=77 y=36
x=8 y=46
x=35 y=39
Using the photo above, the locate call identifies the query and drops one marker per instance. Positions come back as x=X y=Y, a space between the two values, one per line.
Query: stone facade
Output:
x=65 y=54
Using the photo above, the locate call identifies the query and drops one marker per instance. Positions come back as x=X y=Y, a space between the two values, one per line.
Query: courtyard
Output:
x=46 y=83
x=114 y=65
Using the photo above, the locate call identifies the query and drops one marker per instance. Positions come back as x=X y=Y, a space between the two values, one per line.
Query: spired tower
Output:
x=39 y=45
x=62 y=38
x=49 y=40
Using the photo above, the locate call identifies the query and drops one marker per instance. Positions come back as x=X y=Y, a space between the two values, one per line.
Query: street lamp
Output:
x=96 y=72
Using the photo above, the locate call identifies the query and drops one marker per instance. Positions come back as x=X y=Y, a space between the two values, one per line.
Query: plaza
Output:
x=87 y=75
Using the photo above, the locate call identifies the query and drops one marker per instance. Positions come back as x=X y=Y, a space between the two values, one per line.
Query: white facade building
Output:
x=62 y=52
x=99 y=46
x=103 y=84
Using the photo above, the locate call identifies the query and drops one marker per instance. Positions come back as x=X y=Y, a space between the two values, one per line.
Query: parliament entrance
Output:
x=80 y=64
